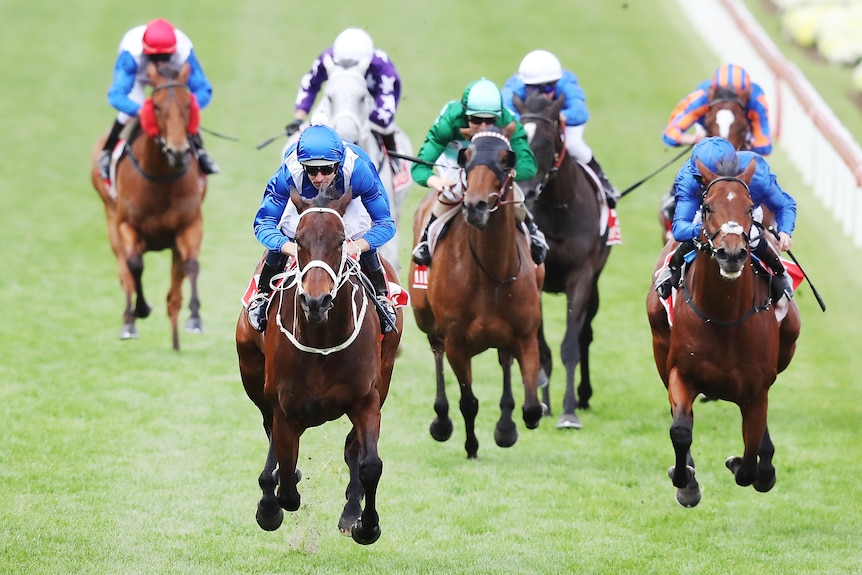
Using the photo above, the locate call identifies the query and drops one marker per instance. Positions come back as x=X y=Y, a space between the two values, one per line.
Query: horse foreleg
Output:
x=269 y=513
x=681 y=398
x=745 y=469
x=528 y=361
x=366 y=529
x=506 y=433
x=468 y=403
x=354 y=492
x=570 y=356
x=286 y=442
x=441 y=427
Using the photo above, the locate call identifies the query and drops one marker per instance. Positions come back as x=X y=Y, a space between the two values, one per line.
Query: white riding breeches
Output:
x=576 y=146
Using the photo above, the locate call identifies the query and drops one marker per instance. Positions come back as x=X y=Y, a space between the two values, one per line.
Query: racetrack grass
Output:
x=125 y=457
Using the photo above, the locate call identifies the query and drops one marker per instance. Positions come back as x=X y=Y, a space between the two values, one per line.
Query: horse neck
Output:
x=151 y=158
x=496 y=246
x=717 y=297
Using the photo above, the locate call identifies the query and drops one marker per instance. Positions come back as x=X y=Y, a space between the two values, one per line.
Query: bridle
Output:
x=160 y=141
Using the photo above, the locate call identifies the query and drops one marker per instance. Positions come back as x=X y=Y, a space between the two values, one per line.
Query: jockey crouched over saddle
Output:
x=538 y=244
x=207 y=165
x=258 y=307
x=671 y=276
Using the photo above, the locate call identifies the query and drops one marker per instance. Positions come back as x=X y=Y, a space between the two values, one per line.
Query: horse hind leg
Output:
x=545 y=368
x=755 y=465
x=194 y=324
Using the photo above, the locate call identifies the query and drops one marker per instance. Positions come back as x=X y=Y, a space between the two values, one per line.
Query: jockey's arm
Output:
x=198 y=83
x=125 y=70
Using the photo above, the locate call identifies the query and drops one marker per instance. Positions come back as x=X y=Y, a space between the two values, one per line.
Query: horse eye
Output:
x=707 y=209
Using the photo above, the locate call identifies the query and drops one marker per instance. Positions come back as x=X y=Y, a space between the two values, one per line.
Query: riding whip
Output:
x=811 y=285
x=672 y=160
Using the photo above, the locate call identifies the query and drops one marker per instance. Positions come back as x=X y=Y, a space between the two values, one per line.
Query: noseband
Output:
x=727 y=228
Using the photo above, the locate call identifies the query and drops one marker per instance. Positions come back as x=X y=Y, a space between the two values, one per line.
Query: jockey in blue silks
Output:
x=540 y=71
x=158 y=41
x=319 y=160
x=764 y=190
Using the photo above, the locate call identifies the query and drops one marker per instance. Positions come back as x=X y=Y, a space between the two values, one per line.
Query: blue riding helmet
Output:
x=319 y=146
x=710 y=151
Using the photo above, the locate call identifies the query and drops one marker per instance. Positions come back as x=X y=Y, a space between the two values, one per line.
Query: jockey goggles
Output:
x=547 y=88
x=479 y=120
x=327 y=170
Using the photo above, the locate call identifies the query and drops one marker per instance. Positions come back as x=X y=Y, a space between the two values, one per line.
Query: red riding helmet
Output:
x=159 y=38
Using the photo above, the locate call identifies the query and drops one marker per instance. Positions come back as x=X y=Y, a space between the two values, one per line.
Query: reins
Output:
x=347 y=267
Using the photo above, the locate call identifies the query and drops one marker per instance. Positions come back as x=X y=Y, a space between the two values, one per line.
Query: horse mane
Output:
x=728 y=166
x=325 y=196
x=725 y=93
x=169 y=70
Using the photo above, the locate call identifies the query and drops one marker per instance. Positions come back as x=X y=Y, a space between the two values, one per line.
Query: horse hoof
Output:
x=194 y=325
x=543 y=380
x=546 y=411
x=688 y=496
x=764 y=486
x=129 y=332
x=733 y=463
x=441 y=430
x=269 y=522
x=506 y=438
x=569 y=421
x=142 y=311
x=364 y=536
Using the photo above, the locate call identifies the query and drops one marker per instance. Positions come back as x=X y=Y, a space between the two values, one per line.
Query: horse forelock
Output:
x=169 y=70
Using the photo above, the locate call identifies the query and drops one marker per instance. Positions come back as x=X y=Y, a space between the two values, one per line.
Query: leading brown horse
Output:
x=321 y=357
x=155 y=203
x=482 y=291
x=727 y=339
x=564 y=201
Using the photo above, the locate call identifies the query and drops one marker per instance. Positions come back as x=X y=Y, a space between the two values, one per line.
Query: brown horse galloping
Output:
x=727 y=340
x=321 y=357
x=482 y=291
x=157 y=204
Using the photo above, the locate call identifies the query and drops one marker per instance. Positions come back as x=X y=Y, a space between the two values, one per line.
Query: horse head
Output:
x=541 y=119
x=488 y=162
x=170 y=114
x=727 y=213
x=321 y=254
x=349 y=103
x=726 y=115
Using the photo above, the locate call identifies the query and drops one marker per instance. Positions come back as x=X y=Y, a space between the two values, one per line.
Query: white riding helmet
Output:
x=539 y=67
x=351 y=47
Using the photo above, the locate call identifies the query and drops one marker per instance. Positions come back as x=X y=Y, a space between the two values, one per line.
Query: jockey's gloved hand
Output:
x=292 y=127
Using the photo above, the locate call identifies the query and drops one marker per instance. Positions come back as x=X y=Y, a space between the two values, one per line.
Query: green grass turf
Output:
x=125 y=457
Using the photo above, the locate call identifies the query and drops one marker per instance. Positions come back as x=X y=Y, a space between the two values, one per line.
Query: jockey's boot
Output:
x=422 y=251
x=385 y=309
x=105 y=155
x=258 y=307
x=207 y=164
x=611 y=192
x=538 y=244
x=669 y=277
x=780 y=284
x=389 y=144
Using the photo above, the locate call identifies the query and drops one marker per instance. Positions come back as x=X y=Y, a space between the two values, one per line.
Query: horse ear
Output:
x=152 y=71
x=463 y=157
x=184 y=73
x=559 y=102
x=748 y=173
x=708 y=175
x=509 y=160
x=509 y=130
x=518 y=103
x=710 y=94
x=745 y=95
x=343 y=202
x=298 y=201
